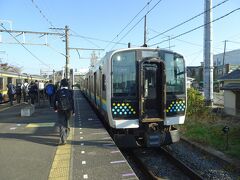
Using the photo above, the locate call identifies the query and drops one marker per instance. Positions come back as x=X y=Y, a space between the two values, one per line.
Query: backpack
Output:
x=18 y=89
x=25 y=87
x=50 y=89
x=65 y=100
x=12 y=89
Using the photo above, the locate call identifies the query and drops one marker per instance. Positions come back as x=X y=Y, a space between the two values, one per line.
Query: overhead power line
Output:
x=138 y=22
x=198 y=27
x=184 y=22
x=128 y=24
x=9 y=32
x=96 y=39
x=87 y=39
x=41 y=12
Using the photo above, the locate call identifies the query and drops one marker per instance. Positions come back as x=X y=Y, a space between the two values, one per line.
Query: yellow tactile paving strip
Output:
x=60 y=169
x=34 y=125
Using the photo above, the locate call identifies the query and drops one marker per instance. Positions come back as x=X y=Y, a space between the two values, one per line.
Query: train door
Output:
x=152 y=90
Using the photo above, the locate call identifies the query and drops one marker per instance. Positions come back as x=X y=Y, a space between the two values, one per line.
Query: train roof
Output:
x=108 y=54
x=22 y=75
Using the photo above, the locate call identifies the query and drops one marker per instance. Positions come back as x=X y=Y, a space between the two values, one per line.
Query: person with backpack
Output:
x=18 y=93
x=64 y=106
x=50 y=91
x=11 y=92
x=33 y=92
x=25 y=90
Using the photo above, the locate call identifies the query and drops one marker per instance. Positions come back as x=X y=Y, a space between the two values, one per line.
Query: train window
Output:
x=124 y=74
x=9 y=80
x=103 y=82
x=1 y=83
x=175 y=73
x=150 y=54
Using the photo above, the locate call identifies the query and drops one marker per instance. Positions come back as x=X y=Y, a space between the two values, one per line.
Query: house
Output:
x=231 y=87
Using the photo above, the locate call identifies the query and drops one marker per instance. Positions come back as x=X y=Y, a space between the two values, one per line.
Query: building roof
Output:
x=231 y=86
x=235 y=75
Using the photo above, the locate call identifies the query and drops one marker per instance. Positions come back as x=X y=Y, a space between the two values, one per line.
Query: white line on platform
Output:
x=80 y=132
x=83 y=162
x=116 y=162
x=85 y=176
x=13 y=128
x=112 y=152
x=81 y=137
x=128 y=174
x=106 y=138
x=82 y=152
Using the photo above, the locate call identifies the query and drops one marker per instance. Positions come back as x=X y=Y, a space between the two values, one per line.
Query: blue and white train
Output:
x=141 y=93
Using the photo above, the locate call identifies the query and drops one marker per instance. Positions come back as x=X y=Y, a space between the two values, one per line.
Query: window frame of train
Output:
x=124 y=103
x=175 y=96
x=1 y=83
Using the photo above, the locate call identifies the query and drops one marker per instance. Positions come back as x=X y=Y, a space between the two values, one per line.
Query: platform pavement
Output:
x=27 y=144
x=29 y=147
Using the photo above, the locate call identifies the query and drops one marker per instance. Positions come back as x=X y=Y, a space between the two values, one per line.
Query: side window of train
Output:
x=1 y=83
x=103 y=82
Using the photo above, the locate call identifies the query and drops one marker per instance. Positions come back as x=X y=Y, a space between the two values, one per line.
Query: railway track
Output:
x=159 y=163
x=182 y=166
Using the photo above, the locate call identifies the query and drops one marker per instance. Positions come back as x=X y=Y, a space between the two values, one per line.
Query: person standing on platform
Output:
x=25 y=90
x=64 y=105
x=50 y=91
x=18 y=93
x=11 y=92
x=33 y=92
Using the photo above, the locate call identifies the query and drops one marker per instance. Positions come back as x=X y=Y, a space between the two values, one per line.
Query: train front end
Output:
x=148 y=97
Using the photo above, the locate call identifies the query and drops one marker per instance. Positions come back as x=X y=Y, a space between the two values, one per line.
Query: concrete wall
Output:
x=229 y=103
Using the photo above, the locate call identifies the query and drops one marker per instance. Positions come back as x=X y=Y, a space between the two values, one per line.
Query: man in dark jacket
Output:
x=64 y=105
x=11 y=92
x=18 y=93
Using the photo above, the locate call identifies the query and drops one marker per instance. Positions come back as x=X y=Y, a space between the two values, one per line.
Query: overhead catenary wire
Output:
x=95 y=39
x=25 y=47
x=184 y=22
x=198 y=27
x=128 y=24
x=42 y=14
x=87 y=39
x=138 y=22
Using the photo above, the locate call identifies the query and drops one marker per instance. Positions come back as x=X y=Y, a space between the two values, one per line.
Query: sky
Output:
x=94 y=24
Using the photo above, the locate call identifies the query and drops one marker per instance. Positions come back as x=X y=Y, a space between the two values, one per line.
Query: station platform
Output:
x=29 y=146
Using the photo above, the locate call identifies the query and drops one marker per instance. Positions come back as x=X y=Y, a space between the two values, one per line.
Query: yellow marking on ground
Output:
x=60 y=169
x=34 y=125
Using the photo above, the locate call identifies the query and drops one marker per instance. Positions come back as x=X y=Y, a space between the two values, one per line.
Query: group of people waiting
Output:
x=60 y=99
x=32 y=91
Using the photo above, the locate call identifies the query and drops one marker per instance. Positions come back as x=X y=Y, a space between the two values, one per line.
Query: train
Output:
x=141 y=95
x=15 y=78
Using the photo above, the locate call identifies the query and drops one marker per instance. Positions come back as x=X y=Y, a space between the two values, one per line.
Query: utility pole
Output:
x=145 y=32
x=224 y=53
x=208 y=59
x=53 y=76
x=67 y=52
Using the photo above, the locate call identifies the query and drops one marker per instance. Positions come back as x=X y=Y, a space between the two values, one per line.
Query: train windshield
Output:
x=124 y=74
x=175 y=73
